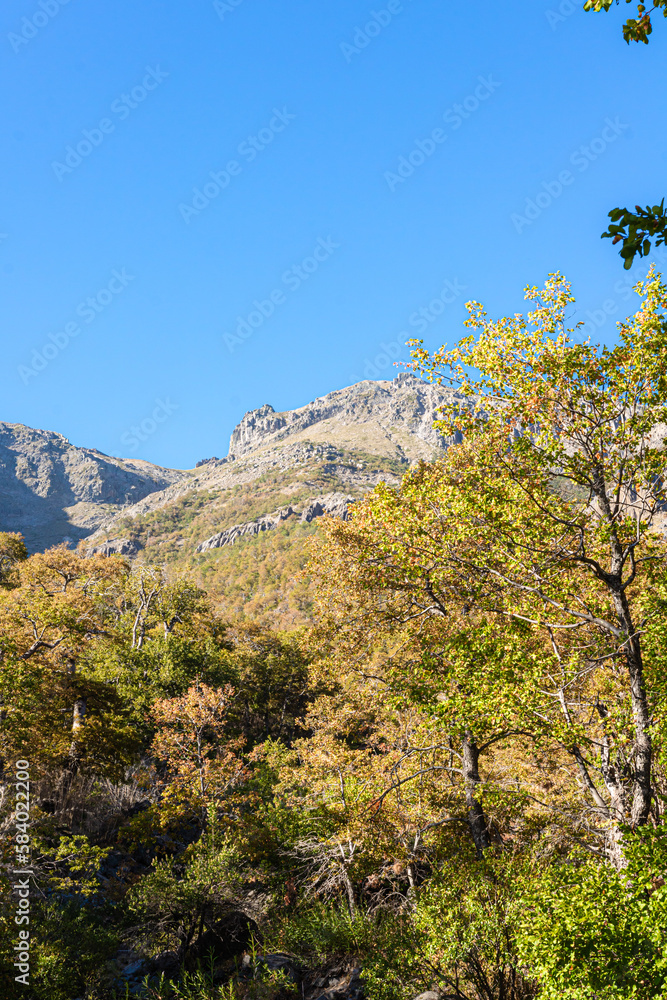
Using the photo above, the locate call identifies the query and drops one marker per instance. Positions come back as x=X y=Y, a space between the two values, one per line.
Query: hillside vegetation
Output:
x=256 y=577
x=415 y=750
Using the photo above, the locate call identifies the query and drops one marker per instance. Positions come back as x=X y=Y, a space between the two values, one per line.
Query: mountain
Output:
x=240 y=524
x=394 y=419
x=51 y=491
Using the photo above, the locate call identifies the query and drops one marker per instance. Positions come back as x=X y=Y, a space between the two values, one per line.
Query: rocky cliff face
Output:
x=388 y=418
x=345 y=441
x=336 y=504
x=51 y=490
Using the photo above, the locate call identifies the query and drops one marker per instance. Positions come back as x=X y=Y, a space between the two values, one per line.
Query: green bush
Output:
x=71 y=947
x=591 y=933
x=467 y=918
x=456 y=934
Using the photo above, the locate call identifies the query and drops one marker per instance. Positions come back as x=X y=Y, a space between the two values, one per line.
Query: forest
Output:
x=449 y=783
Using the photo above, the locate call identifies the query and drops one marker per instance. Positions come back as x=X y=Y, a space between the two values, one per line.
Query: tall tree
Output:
x=563 y=419
x=61 y=606
x=199 y=758
x=12 y=552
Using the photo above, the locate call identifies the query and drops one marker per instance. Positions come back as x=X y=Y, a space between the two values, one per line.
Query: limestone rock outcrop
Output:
x=350 y=439
x=391 y=418
x=116 y=547
x=336 y=504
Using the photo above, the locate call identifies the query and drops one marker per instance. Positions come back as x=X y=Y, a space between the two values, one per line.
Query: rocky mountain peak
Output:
x=388 y=417
x=347 y=440
x=255 y=426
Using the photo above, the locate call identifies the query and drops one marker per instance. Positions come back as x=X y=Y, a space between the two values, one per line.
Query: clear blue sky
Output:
x=304 y=121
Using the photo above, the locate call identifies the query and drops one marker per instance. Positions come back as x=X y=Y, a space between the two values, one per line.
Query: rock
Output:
x=429 y=995
x=231 y=535
x=136 y=807
x=401 y=409
x=339 y=984
x=277 y=962
x=255 y=425
x=336 y=504
x=132 y=970
x=255 y=902
x=166 y=962
x=355 y=989
x=116 y=546
x=135 y=969
x=51 y=490
x=229 y=936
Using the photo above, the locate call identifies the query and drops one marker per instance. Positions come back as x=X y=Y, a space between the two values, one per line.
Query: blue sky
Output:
x=213 y=205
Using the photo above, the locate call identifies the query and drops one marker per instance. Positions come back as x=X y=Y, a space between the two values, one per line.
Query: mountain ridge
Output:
x=403 y=407
x=51 y=490
x=240 y=525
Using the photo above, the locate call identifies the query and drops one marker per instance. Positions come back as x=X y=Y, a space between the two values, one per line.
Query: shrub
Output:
x=592 y=933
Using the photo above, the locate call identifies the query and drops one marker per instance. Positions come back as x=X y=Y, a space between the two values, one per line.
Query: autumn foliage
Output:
x=454 y=777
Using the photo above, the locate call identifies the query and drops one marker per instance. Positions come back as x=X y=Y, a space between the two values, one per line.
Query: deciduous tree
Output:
x=576 y=433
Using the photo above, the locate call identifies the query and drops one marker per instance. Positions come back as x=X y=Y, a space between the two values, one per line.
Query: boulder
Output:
x=278 y=962
x=166 y=962
x=229 y=936
x=116 y=547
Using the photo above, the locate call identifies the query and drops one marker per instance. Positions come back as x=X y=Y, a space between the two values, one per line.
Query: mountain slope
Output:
x=394 y=419
x=240 y=524
x=51 y=490
x=348 y=439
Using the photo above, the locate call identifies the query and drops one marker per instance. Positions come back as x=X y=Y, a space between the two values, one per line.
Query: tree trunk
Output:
x=78 y=723
x=3 y=719
x=643 y=749
x=643 y=755
x=349 y=889
x=75 y=750
x=471 y=780
x=617 y=808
